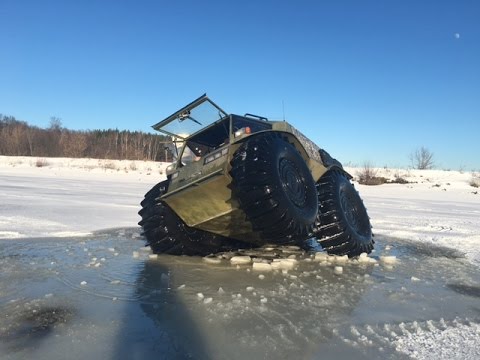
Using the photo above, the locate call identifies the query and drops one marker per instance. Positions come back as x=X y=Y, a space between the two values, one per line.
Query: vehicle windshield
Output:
x=192 y=118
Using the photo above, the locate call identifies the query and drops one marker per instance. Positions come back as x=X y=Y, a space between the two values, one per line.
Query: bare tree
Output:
x=55 y=123
x=422 y=158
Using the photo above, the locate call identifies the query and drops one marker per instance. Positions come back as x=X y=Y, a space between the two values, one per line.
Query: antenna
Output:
x=283 y=110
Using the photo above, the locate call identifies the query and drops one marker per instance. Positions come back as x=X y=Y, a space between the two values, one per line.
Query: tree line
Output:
x=18 y=138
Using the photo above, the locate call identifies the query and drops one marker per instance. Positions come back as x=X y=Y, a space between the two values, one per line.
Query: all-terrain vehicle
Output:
x=244 y=181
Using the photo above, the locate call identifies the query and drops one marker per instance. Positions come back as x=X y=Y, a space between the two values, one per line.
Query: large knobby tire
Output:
x=343 y=226
x=166 y=233
x=274 y=188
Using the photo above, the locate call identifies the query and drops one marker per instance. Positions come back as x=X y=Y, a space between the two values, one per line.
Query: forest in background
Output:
x=18 y=138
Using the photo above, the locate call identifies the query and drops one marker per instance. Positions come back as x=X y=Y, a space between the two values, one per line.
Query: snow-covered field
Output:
x=421 y=307
x=63 y=197
x=76 y=196
x=438 y=207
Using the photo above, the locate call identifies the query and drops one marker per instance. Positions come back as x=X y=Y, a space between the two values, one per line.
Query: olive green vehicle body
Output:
x=200 y=192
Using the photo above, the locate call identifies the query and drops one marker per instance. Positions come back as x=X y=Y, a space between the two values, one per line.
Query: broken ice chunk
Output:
x=200 y=296
x=212 y=260
x=236 y=260
x=208 y=300
x=258 y=266
x=341 y=259
x=338 y=270
x=365 y=259
x=286 y=264
x=321 y=256
x=390 y=259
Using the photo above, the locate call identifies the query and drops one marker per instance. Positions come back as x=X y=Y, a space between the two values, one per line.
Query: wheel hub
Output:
x=293 y=184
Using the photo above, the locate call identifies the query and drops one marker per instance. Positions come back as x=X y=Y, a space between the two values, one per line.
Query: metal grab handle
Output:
x=255 y=117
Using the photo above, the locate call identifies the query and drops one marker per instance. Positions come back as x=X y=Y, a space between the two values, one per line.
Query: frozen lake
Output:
x=425 y=306
x=102 y=296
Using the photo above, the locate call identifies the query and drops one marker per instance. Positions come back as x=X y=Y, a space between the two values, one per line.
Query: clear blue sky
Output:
x=367 y=80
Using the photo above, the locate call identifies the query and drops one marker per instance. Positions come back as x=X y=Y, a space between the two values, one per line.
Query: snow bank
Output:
x=438 y=207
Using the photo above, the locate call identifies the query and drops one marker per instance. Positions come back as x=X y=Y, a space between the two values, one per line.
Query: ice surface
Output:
x=234 y=313
x=132 y=307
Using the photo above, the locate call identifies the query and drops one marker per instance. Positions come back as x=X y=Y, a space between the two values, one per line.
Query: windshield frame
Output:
x=193 y=114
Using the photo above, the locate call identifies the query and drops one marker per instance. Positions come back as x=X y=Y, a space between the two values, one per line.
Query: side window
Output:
x=190 y=154
x=240 y=123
